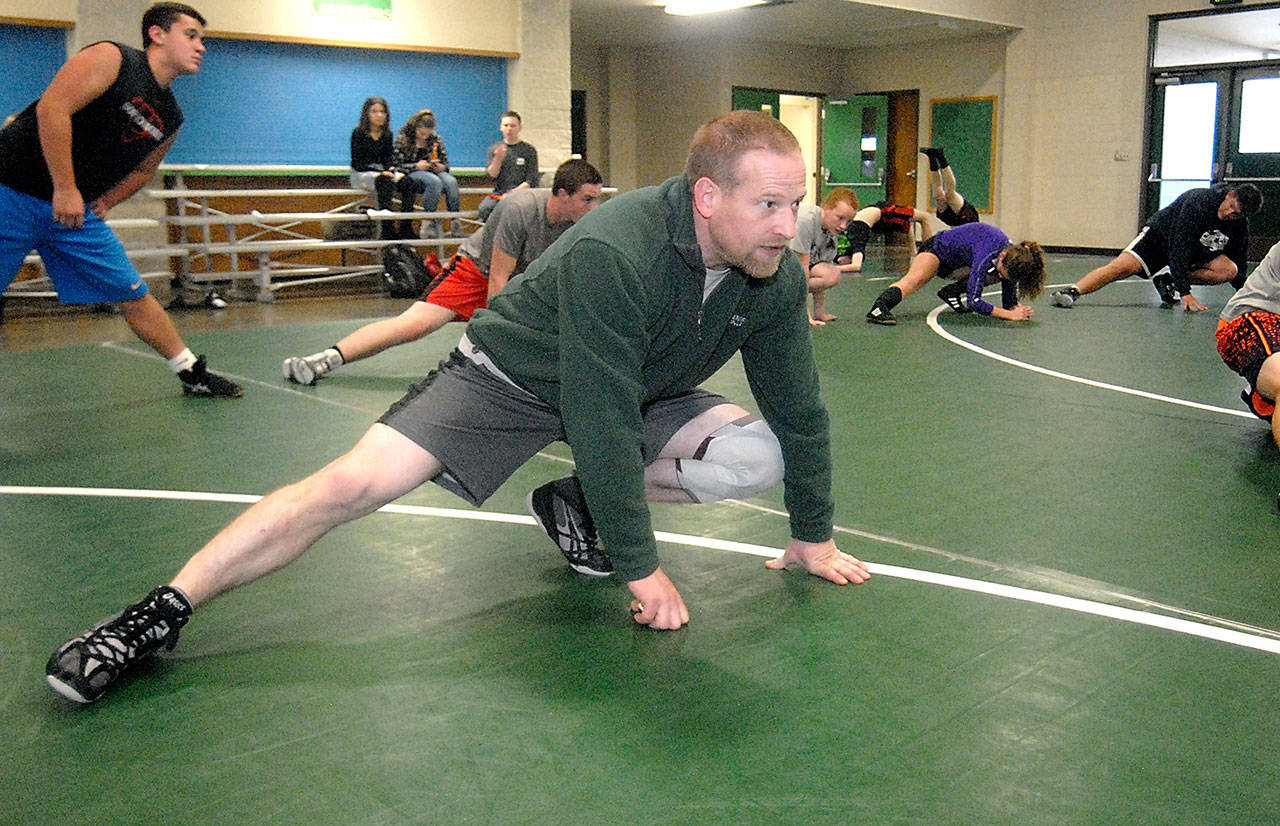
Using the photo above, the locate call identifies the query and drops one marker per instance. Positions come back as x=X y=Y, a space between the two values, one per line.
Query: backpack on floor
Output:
x=404 y=273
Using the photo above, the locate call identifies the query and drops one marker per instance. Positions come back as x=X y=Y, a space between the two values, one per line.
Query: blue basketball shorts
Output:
x=86 y=265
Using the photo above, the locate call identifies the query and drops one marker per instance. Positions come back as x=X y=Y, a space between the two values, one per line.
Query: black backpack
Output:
x=404 y=273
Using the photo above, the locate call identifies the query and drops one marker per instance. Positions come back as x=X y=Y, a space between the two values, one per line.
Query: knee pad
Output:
x=739 y=459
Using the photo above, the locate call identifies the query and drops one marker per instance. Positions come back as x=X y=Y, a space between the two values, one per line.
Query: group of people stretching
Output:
x=1201 y=237
x=974 y=255
x=602 y=342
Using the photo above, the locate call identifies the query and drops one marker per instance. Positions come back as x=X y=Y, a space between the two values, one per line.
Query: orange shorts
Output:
x=1245 y=343
x=464 y=289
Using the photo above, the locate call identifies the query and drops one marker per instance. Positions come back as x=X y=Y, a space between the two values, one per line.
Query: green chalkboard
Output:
x=966 y=128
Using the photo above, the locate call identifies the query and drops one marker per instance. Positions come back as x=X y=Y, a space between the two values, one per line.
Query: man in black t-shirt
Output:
x=95 y=137
x=513 y=164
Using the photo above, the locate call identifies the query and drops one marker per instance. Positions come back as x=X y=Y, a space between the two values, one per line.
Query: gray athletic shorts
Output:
x=482 y=428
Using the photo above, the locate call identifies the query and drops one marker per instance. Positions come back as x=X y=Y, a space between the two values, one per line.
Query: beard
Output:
x=756 y=262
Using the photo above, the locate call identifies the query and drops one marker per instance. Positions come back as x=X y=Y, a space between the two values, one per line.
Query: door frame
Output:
x=1228 y=125
x=753 y=96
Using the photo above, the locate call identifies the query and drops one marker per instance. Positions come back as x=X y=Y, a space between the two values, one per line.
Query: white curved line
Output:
x=1083 y=606
x=932 y=320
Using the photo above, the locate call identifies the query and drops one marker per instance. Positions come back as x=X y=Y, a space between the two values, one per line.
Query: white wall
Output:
x=1074 y=99
x=1009 y=12
x=538 y=83
x=962 y=68
x=652 y=99
x=491 y=27
x=63 y=11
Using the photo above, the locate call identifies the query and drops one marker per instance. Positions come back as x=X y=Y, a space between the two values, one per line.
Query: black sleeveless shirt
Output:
x=110 y=137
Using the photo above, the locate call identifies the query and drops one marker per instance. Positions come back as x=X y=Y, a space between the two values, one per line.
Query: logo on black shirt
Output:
x=144 y=123
x=1214 y=240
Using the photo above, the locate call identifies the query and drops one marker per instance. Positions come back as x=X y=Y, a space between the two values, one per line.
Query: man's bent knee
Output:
x=823 y=276
x=1218 y=271
x=739 y=460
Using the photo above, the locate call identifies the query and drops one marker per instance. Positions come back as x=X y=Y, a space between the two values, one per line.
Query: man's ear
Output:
x=706 y=194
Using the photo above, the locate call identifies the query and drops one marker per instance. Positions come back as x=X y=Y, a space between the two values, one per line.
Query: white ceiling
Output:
x=836 y=24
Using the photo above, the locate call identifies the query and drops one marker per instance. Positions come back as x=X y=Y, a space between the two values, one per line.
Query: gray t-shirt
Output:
x=518 y=226
x=1261 y=290
x=810 y=238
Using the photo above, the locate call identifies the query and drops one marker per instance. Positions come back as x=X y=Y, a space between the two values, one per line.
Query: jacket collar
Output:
x=684 y=238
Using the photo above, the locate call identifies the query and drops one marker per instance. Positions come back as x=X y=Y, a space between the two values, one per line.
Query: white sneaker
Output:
x=309 y=369
x=1065 y=297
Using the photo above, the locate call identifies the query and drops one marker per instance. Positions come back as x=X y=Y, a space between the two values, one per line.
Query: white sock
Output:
x=183 y=361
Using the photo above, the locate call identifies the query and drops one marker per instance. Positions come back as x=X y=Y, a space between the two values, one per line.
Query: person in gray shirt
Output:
x=815 y=245
x=1249 y=336
x=525 y=223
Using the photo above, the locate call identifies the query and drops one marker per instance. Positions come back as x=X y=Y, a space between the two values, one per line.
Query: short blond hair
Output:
x=719 y=144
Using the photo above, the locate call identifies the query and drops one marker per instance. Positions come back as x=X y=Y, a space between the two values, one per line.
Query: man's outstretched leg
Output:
x=418 y=320
x=277 y=530
x=1122 y=266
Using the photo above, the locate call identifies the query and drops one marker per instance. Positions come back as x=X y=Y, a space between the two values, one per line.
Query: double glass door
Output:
x=1214 y=125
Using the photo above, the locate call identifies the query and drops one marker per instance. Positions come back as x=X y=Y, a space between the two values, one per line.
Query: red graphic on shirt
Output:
x=142 y=122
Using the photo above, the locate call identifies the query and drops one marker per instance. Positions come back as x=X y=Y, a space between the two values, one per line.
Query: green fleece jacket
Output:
x=611 y=318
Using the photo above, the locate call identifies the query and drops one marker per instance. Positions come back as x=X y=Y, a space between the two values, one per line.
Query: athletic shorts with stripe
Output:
x=894 y=218
x=1245 y=343
x=87 y=265
x=463 y=288
x=968 y=214
x=1150 y=250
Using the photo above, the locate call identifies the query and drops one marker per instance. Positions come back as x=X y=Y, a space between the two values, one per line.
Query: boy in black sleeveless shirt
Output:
x=94 y=138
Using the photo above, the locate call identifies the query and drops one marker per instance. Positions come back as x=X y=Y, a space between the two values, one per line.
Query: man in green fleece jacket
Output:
x=601 y=343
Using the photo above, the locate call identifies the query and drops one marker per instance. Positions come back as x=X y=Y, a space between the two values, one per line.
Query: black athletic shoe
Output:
x=1164 y=286
x=86 y=666
x=561 y=511
x=953 y=294
x=879 y=315
x=1065 y=297
x=198 y=381
x=1257 y=405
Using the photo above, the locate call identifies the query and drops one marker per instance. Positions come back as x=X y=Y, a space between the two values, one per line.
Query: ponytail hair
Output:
x=1024 y=263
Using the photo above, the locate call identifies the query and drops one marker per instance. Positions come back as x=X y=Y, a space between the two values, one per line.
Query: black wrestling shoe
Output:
x=198 y=381
x=879 y=315
x=1257 y=405
x=561 y=510
x=1164 y=286
x=1065 y=297
x=953 y=295
x=86 y=666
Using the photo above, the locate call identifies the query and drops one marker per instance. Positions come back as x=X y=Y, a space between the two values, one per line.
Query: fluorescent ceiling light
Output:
x=687 y=7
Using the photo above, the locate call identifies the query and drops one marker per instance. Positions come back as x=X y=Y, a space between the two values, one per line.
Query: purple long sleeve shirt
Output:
x=976 y=246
